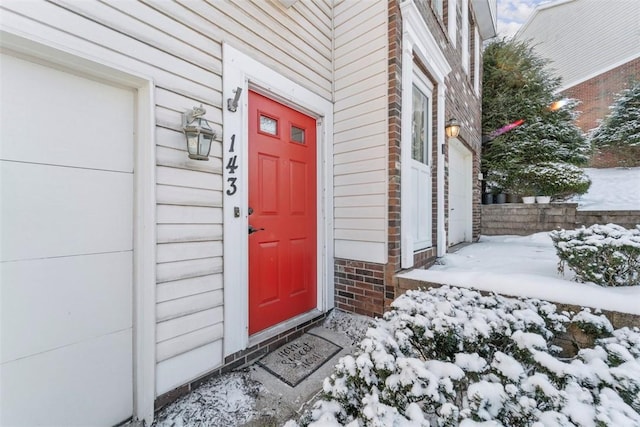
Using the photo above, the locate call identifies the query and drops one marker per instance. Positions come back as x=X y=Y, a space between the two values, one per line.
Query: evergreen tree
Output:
x=518 y=89
x=622 y=127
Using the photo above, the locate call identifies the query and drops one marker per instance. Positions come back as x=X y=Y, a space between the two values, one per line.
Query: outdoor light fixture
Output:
x=198 y=132
x=452 y=129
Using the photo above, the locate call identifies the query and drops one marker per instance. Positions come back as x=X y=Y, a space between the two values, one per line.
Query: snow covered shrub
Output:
x=622 y=126
x=453 y=357
x=557 y=179
x=608 y=255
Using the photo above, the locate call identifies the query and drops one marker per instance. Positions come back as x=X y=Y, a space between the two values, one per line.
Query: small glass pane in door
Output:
x=419 y=129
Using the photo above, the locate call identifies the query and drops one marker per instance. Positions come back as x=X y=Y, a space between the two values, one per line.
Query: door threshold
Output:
x=276 y=330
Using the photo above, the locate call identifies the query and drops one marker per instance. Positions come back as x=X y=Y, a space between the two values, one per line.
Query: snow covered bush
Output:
x=556 y=179
x=622 y=126
x=453 y=357
x=608 y=255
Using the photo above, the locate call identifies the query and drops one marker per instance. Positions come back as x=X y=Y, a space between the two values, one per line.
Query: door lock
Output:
x=254 y=230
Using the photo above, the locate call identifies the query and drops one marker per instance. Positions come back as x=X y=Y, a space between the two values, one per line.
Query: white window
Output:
x=465 y=35
x=437 y=7
x=452 y=22
x=421 y=197
x=476 y=61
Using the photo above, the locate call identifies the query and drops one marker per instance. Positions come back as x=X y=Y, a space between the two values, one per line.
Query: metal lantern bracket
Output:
x=232 y=103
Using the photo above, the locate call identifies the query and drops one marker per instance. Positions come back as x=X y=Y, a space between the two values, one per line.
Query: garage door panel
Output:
x=52 y=211
x=460 y=193
x=79 y=384
x=70 y=299
x=75 y=127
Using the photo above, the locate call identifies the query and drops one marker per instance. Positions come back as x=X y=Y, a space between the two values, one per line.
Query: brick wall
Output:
x=598 y=93
x=520 y=219
x=612 y=157
x=360 y=287
x=394 y=134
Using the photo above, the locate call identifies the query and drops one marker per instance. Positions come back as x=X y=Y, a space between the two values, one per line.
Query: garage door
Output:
x=66 y=179
x=460 y=193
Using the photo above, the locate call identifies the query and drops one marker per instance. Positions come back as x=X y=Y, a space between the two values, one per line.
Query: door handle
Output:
x=254 y=230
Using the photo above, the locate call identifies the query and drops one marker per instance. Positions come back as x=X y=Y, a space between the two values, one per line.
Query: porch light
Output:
x=452 y=129
x=198 y=132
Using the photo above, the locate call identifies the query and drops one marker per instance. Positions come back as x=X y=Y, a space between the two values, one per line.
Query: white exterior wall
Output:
x=360 y=141
x=605 y=32
x=179 y=46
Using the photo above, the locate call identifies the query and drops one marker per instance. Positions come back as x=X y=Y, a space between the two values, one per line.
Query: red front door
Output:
x=282 y=201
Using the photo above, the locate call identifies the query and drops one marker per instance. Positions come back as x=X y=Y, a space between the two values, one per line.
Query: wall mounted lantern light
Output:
x=198 y=132
x=452 y=129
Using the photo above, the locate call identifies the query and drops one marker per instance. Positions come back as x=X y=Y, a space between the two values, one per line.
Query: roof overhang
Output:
x=486 y=17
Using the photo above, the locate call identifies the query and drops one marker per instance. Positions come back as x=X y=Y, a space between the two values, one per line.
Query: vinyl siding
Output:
x=360 y=130
x=179 y=46
x=598 y=35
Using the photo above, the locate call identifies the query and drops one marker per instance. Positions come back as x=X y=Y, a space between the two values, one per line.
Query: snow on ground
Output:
x=611 y=189
x=228 y=400
x=524 y=266
x=231 y=399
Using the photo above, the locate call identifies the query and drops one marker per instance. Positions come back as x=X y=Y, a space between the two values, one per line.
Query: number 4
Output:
x=232 y=164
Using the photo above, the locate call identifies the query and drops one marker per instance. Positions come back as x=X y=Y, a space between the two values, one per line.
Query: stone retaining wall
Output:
x=521 y=219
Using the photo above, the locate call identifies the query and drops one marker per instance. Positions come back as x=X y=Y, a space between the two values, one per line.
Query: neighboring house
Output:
x=593 y=45
x=128 y=274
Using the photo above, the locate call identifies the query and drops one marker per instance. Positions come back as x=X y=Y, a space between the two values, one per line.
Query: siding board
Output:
x=361 y=200
x=171 y=271
x=171 y=252
x=360 y=178
x=170 y=195
x=368 y=188
x=188 y=305
x=361 y=224
x=174 y=233
x=184 y=343
x=187 y=287
x=188 y=178
x=179 y=159
x=183 y=325
x=359 y=121
x=170 y=214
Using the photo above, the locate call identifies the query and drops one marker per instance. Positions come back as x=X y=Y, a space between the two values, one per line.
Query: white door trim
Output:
x=416 y=40
x=144 y=280
x=242 y=71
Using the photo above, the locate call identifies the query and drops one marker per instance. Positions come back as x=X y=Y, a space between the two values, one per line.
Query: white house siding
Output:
x=612 y=29
x=360 y=137
x=179 y=46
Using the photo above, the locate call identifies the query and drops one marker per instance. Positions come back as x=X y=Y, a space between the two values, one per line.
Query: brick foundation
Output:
x=360 y=287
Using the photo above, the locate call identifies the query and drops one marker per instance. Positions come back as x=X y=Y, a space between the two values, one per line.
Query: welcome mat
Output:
x=295 y=361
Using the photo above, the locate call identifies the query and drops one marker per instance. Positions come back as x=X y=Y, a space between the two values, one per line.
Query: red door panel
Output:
x=282 y=195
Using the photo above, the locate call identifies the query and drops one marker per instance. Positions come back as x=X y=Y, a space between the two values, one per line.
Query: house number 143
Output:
x=231 y=167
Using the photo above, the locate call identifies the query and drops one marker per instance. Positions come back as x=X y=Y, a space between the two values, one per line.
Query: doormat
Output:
x=295 y=361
